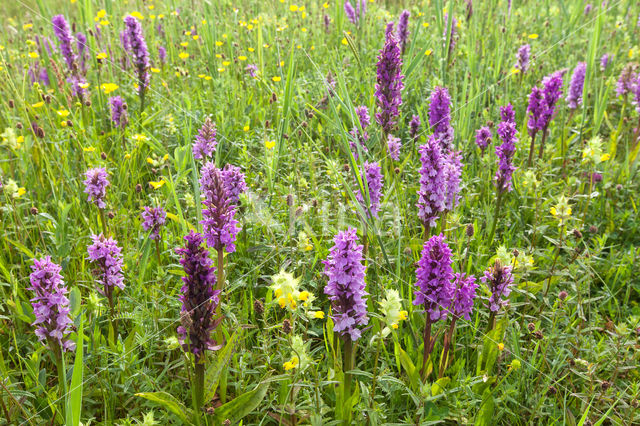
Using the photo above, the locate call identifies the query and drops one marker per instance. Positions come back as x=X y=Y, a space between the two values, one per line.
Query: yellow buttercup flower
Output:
x=34 y=55
x=183 y=55
x=245 y=129
x=276 y=78
x=290 y=365
x=428 y=52
x=318 y=314
x=270 y=144
x=242 y=58
x=500 y=347
x=139 y=138
x=533 y=36
x=137 y=15
x=108 y=87
x=102 y=55
x=158 y=184
x=63 y=113
x=293 y=8
x=37 y=104
x=89 y=149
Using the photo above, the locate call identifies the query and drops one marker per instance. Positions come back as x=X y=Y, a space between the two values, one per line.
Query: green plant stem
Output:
x=426 y=346
x=531 y=149
x=62 y=377
x=347 y=363
x=103 y=220
x=198 y=384
x=544 y=138
x=495 y=216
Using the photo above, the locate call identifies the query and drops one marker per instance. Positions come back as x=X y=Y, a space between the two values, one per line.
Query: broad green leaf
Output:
x=241 y=406
x=169 y=402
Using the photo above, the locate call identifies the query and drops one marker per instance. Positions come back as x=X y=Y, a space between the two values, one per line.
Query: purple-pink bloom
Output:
x=414 y=127
x=535 y=109
x=389 y=83
x=252 y=70
x=65 y=39
x=552 y=91
x=153 y=219
x=574 y=98
x=433 y=278
x=199 y=299
x=373 y=181
x=524 y=52
x=452 y=173
x=346 y=286
x=138 y=48
x=505 y=152
x=636 y=93
x=464 y=294
x=483 y=138
x=393 y=146
x=403 y=29
x=432 y=193
x=162 y=54
x=440 y=116
x=363 y=117
x=452 y=34
x=587 y=9
x=206 y=140
x=605 y=60
x=119 y=115
x=107 y=256
x=95 y=185
x=350 y=12
x=499 y=280
x=625 y=83
x=234 y=183
x=220 y=226
x=50 y=304
x=83 y=51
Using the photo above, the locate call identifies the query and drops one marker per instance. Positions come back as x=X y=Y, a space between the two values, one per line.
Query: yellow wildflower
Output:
x=158 y=184
x=108 y=87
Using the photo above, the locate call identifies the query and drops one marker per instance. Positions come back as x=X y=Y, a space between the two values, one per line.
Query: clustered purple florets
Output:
x=434 y=275
x=65 y=38
x=50 y=304
x=605 y=60
x=393 y=146
x=452 y=173
x=464 y=294
x=574 y=98
x=153 y=219
x=107 y=256
x=505 y=152
x=362 y=113
x=346 y=286
x=63 y=33
x=414 y=127
x=233 y=182
x=206 y=140
x=355 y=14
x=524 y=52
x=119 y=115
x=220 y=226
x=138 y=48
x=403 y=29
x=483 y=138
x=626 y=81
x=499 y=280
x=96 y=184
x=373 y=176
x=440 y=116
x=432 y=193
x=199 y=299
x=389 y=83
